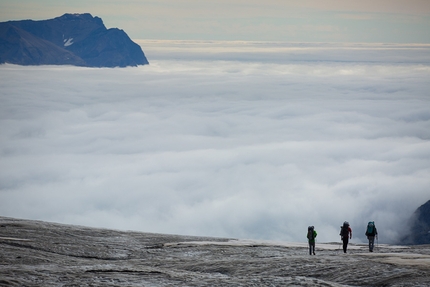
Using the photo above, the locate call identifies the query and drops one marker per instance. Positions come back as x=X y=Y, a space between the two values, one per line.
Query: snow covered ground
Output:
x=35 y=253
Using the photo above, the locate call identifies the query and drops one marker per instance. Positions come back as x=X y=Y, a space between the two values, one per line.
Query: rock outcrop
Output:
x=420 y=226
x=72 y=39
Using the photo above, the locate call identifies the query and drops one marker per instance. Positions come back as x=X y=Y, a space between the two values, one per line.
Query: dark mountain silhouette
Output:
x=420 y=226
x=72 y=39
x=20 y=47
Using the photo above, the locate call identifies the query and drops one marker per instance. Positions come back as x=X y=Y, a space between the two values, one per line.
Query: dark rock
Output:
x=420 y=226
x=72 y=39
x=20 y=47
x=109 y=48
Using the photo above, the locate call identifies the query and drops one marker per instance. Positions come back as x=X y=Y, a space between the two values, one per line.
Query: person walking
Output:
x=345 y=235
x=312 y=234
x=371 y=232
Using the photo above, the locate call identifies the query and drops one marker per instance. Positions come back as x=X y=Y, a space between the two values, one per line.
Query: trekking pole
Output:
x=377 y=242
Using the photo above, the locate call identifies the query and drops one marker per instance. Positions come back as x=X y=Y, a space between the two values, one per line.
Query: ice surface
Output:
x=64 y=255
x=247 y=242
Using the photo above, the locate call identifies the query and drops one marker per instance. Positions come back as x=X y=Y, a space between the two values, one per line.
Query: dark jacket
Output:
x=311 y=236
x=374 y=233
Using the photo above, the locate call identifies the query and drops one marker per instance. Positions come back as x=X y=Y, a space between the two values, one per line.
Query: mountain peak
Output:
x=76 y=15
x=83 y=36
x=85 y=17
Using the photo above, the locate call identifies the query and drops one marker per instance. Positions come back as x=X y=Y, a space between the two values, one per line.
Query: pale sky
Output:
x=375 y=21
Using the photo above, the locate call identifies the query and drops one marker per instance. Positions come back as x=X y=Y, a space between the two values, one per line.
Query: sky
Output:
x=366 y=21
x=249 y=140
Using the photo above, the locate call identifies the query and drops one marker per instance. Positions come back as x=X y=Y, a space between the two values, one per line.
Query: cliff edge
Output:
x=72 y=39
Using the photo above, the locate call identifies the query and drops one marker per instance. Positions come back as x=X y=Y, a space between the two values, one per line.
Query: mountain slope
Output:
x=20 y=47
x=108 y=48
x=81 y=35
x=420 y=226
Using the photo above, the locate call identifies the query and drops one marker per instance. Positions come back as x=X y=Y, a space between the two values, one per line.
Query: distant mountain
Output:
x=420 y=226
x=72 y=39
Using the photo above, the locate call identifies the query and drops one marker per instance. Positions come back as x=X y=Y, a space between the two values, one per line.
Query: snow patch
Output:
x=14 y=239
x=409 y=259
x=68 y=42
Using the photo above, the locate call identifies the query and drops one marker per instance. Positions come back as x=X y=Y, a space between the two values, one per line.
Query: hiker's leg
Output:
x=371 y=243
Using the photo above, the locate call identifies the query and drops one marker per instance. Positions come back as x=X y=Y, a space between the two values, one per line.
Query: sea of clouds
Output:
x=230 y=139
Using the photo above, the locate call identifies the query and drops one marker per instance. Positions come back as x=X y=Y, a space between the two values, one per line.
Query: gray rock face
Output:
x=72 y=39
x=420 y=226
x=34 y=253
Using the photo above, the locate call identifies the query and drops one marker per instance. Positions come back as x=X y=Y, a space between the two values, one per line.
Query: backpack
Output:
x=311 y=233
x=370 y=228
x=344 y=229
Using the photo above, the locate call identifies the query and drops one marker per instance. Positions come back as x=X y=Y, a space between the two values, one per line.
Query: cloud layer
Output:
x=200 y=144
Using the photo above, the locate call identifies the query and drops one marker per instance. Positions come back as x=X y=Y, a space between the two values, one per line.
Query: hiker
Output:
x=371 y=232
x=311 y=239
x=345 y=234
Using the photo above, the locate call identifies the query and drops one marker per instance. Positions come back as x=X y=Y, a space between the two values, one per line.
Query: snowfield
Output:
x=35 y=253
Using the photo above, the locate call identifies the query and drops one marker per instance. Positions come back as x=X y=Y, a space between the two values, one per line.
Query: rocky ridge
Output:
x=72 y=39
x=419 y=232
x=35 y=253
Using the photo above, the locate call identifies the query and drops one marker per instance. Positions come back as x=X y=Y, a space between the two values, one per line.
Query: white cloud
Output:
x=203 y=146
